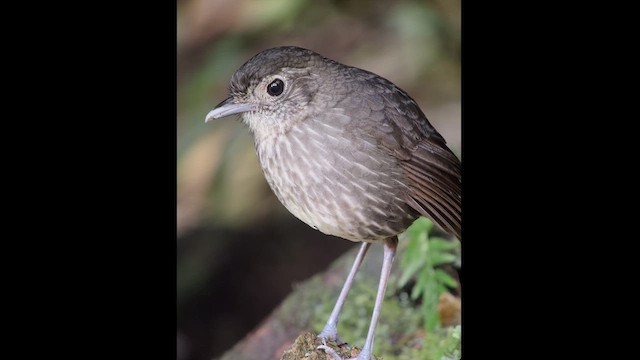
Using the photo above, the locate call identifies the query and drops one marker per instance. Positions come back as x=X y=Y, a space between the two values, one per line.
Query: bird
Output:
x=347 y=152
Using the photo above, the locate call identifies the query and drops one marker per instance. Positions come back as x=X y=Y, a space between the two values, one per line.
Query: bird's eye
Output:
x=276 y=87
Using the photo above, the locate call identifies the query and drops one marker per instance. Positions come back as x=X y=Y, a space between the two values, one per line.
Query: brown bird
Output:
x=347 y=152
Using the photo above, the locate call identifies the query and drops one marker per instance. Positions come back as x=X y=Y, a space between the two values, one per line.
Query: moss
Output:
x=400 y=334
x=305 y=347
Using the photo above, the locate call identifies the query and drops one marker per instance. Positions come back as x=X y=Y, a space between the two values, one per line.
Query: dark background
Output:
x=239 y=251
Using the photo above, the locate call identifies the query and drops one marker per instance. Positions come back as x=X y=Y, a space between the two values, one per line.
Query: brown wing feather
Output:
x=435 y=184
x=432 y=171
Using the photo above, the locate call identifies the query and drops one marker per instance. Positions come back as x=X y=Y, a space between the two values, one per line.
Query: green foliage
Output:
x=421 y=260
x=399 y=334
x=451 y=348
x=405 y=331
x=442 y=344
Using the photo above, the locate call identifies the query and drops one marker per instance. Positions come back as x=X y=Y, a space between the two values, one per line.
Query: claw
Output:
x=325 y=338
x=329 y=351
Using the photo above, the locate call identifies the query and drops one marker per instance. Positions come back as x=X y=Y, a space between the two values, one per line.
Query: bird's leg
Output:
x=390 y=246
x=330 y=331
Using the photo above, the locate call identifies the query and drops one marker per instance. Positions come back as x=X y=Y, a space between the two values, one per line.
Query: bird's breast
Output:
x=336 y=182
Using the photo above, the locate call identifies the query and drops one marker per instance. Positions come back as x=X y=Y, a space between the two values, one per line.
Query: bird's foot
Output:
x=329 y=351
x=330 y=334
x=363 y=355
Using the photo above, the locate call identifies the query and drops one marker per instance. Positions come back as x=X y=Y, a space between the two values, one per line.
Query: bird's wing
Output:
x=432 y=171
x=435 y=183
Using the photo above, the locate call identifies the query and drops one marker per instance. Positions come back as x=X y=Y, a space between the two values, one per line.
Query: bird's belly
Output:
x=341 y=193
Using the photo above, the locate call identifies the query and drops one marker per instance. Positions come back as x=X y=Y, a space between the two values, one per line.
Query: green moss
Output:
x=401 y=333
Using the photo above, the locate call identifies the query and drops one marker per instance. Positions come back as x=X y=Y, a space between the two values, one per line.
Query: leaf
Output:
x=409 y=270
x=414 y=258
x=442 y=277
x=440 y=244
x=441 y=258
x=421 y=283
x=415 y=249
x=421 y=225
x=429 y=306
x=441 y=288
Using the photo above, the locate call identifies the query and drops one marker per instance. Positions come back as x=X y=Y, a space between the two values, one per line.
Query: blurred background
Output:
x=239 y=252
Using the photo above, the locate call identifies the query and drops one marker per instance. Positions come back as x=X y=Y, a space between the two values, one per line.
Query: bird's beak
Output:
x=228 y=107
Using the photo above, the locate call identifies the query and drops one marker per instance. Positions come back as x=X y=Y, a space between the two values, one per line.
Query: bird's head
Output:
x=273 y=89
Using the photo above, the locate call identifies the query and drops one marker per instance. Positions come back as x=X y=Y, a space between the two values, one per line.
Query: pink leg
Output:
x=390 y=246
x=330 y=331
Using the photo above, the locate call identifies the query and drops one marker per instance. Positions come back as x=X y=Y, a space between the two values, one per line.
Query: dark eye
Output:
x=276 y=87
